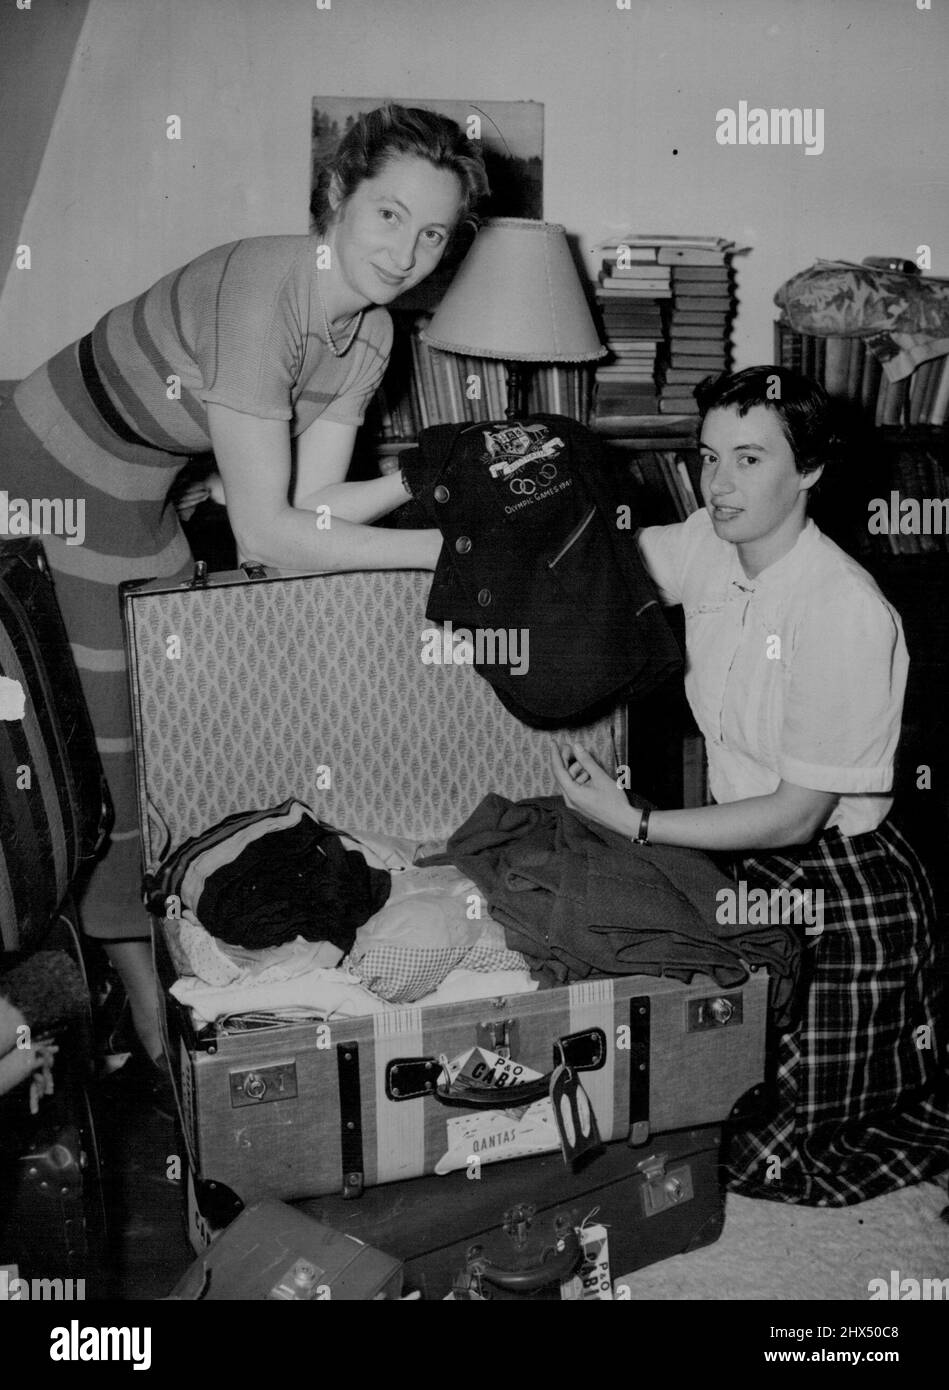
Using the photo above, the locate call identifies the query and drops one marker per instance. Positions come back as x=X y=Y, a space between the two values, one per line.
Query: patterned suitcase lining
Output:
x=284 y=686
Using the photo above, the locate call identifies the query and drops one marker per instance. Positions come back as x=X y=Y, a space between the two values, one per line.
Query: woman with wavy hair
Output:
x=265 y=351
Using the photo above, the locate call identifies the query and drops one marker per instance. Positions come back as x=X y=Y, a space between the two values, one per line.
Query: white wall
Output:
x=44 y=39
x=116 y=204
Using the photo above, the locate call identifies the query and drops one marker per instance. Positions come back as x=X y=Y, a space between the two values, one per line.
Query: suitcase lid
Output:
x=247 y=691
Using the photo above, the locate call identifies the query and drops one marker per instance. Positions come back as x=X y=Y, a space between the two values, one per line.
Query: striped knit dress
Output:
x=110 y=421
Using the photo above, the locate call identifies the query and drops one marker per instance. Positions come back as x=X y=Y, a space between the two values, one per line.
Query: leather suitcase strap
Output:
x=639 y=1047
x=350 y=1120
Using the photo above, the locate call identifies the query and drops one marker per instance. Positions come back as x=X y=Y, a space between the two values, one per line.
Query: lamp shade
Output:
x=517 y=296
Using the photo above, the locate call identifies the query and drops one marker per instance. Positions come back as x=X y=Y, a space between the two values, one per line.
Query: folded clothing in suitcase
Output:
x=54 y=805
x=249 y=692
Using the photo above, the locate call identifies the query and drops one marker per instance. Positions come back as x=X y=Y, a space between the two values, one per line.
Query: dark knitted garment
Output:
x=297 y=881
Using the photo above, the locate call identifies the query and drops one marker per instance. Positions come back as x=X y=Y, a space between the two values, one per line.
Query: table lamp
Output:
x=517 y=297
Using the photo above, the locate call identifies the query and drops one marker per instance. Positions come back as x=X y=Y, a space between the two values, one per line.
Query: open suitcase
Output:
x=246 y=690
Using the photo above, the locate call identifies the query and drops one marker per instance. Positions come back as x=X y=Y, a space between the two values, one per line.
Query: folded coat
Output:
x=538 y=541
x=578 y=899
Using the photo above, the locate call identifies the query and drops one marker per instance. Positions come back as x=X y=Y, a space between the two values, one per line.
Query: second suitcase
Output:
x=494 y=1235
x=54 y=805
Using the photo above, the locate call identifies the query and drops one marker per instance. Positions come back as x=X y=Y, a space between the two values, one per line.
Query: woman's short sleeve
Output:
x=664 y=550
x=844 y=699
x=249 y=326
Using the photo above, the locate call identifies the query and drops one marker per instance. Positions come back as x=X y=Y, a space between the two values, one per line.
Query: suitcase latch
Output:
x=498 y=1035
x=263 y=1084
x=715 y=1011
x=517 y=1224
x=663 y=1188
x=300 y=1283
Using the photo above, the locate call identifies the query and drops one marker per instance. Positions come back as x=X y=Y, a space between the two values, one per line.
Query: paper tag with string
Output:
x=592 y=1280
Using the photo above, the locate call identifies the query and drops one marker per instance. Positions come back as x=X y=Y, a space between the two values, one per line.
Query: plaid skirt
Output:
x=861 y=1082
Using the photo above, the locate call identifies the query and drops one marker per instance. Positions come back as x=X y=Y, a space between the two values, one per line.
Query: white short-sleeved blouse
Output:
x=797 y=675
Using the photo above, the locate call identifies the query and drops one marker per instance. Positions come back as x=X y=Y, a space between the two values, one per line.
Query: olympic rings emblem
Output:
x=526 y=487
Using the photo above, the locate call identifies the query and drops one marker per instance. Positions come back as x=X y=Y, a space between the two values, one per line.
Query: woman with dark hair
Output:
x=796 y=670
x=266 y=351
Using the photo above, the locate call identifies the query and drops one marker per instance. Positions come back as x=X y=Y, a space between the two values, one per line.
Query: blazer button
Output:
x=484 y=597
x=463 y=545
x=441 y=493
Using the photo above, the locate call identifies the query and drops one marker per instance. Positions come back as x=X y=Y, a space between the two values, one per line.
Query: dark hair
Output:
x=401 y=130
x=808 y=416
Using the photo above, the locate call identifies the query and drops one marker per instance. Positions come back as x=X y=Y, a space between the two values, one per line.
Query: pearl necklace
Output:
x=334 y=348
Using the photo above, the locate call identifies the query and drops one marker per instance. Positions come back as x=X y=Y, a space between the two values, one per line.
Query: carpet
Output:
x=770 y=1250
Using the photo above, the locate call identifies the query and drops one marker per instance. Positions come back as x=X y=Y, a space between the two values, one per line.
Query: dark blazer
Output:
x=529 y=515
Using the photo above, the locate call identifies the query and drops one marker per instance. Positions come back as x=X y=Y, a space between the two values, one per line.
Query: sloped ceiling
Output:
x=36 y=49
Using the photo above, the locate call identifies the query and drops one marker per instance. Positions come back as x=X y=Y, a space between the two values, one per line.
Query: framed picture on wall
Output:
x=512 y=138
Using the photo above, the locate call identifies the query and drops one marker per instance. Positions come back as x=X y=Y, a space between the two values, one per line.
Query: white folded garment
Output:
x=477 y=984
x=336 y=994
x=326 y=993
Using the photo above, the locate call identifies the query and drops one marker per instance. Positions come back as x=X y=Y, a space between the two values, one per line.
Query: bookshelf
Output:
x=424 y=386
x=847 y=368
x=903 y=453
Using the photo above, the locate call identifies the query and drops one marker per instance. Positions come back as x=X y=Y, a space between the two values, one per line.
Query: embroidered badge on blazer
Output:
x=522 y=461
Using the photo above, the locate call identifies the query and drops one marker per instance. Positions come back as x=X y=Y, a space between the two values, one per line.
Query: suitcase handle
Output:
x=495 y=1097
x=561 y=1266
x=407 y=1078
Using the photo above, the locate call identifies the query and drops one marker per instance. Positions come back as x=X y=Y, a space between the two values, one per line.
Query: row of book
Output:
x=847 y=368
x=667 y=305
x=668 y=483
x=913 y=517
x=669 y=491
x=425 y=386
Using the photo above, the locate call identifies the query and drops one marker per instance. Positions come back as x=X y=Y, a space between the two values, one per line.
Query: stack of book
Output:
x=847 y=368
x=698 y=318
x=667 y=304
x=631 y=289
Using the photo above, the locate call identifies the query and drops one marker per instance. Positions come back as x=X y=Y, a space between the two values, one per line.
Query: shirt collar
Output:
x=789 y=567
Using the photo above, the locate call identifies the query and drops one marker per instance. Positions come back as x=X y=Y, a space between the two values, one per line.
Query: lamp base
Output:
x=518 y=388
